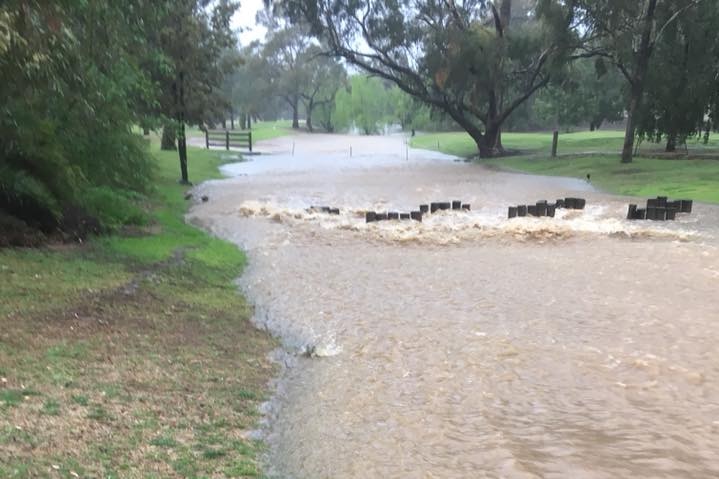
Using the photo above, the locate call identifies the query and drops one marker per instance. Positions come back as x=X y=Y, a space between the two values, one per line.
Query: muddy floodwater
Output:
x=466 y=346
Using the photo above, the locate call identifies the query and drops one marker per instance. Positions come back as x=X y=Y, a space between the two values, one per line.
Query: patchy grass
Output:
x=597 y=153
x=131 y=357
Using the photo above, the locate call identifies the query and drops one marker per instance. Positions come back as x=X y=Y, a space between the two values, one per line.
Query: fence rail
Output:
x=228 y=139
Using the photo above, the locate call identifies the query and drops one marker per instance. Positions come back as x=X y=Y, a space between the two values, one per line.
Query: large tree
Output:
x=682 y=79
x=473 y=60
x=325 y=76
x=194 y=39
x=627 y=33
x=286 y=55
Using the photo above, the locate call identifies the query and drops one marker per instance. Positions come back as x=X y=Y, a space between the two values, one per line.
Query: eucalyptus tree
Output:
x=627 y=33
x=285 y=53
x=325 y=76
x=472 y=59
x=682 y=81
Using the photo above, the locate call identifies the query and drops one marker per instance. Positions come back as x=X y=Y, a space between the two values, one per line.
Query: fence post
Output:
x=250 y=137
x=227 y=140
x=207 y=138
x=555 y=140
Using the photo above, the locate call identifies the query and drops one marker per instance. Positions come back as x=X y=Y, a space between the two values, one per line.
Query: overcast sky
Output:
x=244 y=19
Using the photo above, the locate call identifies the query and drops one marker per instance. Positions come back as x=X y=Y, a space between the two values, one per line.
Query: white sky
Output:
x=244 y=20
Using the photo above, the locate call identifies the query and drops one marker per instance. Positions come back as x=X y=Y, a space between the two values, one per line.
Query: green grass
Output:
x=140 y=342
x=597 y=153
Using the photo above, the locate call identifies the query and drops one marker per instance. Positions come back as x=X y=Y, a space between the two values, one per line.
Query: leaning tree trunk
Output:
x=637 y=81
x=169 y=136
x=671 y=143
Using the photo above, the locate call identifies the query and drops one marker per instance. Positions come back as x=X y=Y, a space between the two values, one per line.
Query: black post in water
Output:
x=652 y=203
x=404 y=216
x=687 y=206
x=466 y=206
x=660 y=213
x=381 y=217
x=456 y=205
x=555 y=142
x=551 y=209
x=424 y=208
x=541 y=209
x=579 y=203
x=569 y=203
x=532 y=210
x=445 y=205
x=512 y=212
x=631 y=213
x=370 y=216
x=671 y=214
x=416 y=215
x=662 y=201
x=392 y=215
x=334 y=211
x=640 y=214
x=433 y=207
x=651 y=212
x=522 y=210
x=559 y=203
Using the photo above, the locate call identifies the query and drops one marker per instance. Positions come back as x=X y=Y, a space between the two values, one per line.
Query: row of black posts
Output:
x=660 y=209
x=542 y=208
x=372 y=216
x=325 y=209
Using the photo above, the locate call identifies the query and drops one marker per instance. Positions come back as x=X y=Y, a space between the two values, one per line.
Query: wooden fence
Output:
x=228 y=139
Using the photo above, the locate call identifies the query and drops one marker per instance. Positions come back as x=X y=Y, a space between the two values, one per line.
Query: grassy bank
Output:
x=652 y=173
x=131 y=356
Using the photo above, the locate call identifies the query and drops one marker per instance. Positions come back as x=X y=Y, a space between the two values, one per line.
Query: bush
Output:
x=114 y=208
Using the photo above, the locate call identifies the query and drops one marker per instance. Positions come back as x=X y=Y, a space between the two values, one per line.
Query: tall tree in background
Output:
x=627 y=34
x=682 y=78
x=194 y=36
x=460 y=58
x=286 y=55
x=325 y=76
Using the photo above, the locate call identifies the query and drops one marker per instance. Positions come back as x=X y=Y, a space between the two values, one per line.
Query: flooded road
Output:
x=468 y=345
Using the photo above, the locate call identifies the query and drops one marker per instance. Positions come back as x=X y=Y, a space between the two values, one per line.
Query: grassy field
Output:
x=262 y=130
x=131 y=356
x=652 y=173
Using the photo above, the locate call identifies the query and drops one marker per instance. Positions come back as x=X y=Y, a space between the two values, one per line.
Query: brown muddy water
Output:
x=583 y=346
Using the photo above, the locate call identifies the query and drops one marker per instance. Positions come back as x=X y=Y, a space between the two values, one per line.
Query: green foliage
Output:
x=365 y=105
x=69 y=81
x=114 y=207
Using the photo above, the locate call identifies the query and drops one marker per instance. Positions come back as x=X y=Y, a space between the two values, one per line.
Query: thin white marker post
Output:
x=293 y=147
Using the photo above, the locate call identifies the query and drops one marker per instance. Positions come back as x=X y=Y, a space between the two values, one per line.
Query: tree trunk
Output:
x=308 y=121
x=249 y=121
x=181 y=139
x=145 y=130
x=169 y=135
x=671 y=143
x=232 y=119
x=243 y=121
x=224 y=123
x=295 y=114
x=637 y=80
